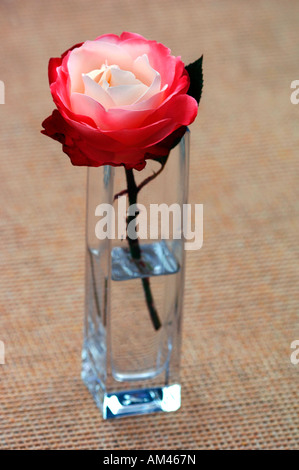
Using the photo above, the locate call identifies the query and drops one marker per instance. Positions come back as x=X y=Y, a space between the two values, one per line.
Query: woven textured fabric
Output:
x=240 y=389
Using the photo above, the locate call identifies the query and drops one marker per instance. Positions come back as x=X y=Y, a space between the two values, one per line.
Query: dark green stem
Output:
x=94 y=288
x=136 y=251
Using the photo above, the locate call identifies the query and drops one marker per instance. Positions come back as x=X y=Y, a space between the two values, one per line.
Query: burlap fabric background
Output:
x=240 y=389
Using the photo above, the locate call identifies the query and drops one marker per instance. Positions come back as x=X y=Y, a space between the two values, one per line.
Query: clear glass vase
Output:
x=130 y=357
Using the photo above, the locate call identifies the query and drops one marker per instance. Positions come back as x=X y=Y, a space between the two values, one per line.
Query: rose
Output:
x=120 y=100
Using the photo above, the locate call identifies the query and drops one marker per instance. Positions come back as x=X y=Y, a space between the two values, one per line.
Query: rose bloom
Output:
x=120 y=100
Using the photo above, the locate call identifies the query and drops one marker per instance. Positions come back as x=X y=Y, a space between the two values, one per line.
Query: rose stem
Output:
x=136 y=252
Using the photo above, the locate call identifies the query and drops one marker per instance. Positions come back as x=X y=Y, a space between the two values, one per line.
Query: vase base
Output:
x=143 y=401
x=131 y=402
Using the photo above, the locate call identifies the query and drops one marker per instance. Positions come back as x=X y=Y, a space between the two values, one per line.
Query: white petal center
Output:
x=113 y=87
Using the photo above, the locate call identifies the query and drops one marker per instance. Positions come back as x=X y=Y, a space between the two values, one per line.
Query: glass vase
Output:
x=133 y=317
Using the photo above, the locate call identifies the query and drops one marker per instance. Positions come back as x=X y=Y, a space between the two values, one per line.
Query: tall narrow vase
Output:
x=133 y=319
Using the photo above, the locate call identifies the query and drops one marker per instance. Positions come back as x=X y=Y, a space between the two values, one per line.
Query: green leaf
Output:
x=162 y=160
x=196 y=79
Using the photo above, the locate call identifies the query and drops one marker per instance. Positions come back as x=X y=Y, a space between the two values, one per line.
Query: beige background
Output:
x=240 y=389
